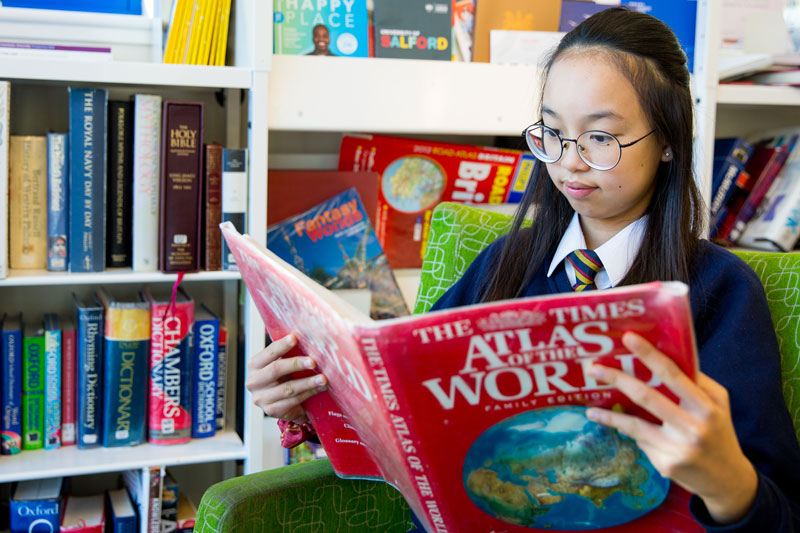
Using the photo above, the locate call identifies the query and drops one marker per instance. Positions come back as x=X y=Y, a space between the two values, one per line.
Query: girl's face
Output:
x=586 y=91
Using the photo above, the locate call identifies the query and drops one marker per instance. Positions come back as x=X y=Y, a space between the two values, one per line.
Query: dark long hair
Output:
x=647 y=52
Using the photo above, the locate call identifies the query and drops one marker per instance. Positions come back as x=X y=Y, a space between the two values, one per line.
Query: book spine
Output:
x=57 y=201
x=27 y=196
x=127 y=341
x=5 y=122
x=181 y=183
x=87 y=144
x=52 y=391
x=234 y=197
x=90 y=376
x=120 y=182
x=146 y=171
x=33 y=393
x=11 y=393
x=155 y=483
x=212 y=195
x=68 y=373
x=171 y=355
x=222 y=376
x=204 y=386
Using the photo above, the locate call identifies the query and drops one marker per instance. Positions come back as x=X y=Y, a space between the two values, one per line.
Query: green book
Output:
x=33 y=362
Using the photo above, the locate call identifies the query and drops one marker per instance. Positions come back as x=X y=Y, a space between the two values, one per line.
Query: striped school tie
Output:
x=587 y=264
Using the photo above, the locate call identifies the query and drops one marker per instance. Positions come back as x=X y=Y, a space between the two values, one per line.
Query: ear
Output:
x=666 y=155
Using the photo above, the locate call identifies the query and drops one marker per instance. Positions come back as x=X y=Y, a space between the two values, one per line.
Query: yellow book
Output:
x=27 y=200
x=182 y=47
x=208 y=58
x=222 y=47
x=197 y=31
x=205 y=34
x=179 y=14
x=212 y=55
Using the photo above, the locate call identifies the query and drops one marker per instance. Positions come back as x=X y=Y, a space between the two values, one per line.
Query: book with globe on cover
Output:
x=505 y=383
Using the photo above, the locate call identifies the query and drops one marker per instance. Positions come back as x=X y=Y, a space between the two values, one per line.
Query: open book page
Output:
x=477 y=414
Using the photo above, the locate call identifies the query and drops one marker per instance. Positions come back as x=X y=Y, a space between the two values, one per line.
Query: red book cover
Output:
x=416 y=175
x=290 y=192
x=181 y=185
x=68 y=377
x=169 y=382
x=83 y=514
x=477 y=414
x=212 y=208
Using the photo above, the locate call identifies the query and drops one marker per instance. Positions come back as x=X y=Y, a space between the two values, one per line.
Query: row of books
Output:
x=755 y=200
x=496 y=31
x=125 y=370
x=154 y=496
x=132 y=184
x=198 y=32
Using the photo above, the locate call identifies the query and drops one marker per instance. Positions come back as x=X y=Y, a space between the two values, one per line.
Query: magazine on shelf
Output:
x=477 y=414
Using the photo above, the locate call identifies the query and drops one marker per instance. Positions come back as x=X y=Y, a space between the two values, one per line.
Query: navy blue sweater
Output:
x=739 y=350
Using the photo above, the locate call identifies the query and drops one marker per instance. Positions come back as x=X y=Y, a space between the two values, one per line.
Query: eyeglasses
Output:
x=598 y=149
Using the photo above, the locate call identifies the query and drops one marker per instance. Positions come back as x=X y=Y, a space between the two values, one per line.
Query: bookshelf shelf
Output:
x=21 y=278
x=400 y=96
x=70 y=461
x=757 y=95
x=137 y=73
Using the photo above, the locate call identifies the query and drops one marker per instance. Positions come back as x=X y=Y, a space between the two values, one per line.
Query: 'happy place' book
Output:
x=477 y=414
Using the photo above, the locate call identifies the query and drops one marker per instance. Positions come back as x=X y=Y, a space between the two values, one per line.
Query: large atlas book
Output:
x=478 y=414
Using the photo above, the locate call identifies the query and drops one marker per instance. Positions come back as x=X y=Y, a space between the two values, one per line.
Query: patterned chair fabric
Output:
x=309 y=497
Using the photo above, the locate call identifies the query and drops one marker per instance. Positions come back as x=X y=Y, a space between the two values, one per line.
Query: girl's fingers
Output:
x=643 y=432
x=276 y=371
x=668 y=372
x=288 y=392
x=274 y=351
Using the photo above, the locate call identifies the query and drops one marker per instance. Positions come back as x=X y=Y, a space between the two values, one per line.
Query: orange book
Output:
x=520 y=15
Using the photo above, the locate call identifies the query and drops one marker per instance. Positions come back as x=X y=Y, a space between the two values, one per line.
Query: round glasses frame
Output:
x=563 y=142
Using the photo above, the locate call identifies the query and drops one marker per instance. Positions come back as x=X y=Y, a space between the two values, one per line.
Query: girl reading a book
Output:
x=615 y=203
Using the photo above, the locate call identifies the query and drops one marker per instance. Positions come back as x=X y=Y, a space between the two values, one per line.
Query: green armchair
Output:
x=310 y=497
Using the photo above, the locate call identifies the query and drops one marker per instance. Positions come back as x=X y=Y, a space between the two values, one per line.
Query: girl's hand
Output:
x=268 y=380
x=696 y=445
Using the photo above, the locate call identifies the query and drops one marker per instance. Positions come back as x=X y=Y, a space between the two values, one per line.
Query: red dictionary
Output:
x=478 y=414
x=169 y=381
x=181 y=185
x=416 y=175
x=68 y=377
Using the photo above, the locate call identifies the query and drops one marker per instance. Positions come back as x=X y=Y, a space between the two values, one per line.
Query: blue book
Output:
x=52 y=382
x=522 y=174
x=11 y=386
x=87 y=144
x=573 y=12
x=124 y=7
x=122 y=515
x=680 y=15
x=730 y=158
x=206 y=369
x=126 y=354
x=89 y=380
x=57 y=200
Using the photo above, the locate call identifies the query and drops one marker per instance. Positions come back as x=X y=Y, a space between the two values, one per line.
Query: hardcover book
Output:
x=33 y=384
x=11 y=386
x=5 y=126
x=234 y=196
x=57 y=200
x=119 y=195
x=146 y=179
x=144 y=486
x=521 y=15
x=212 y=207
x=87 y=159
x=89 y=378
x=121 y=515
x=126 y=354
x=170 y=378
x=321 y=28
x=413 y=29
x=205 y=372
x=52 y=386
x=508 y=388
x=222 y=376
x=68 y=375
x=27 y=198
x=36 y=505
x=83 y=514
x=416 y=175
x=181 y=186
x=334 y=244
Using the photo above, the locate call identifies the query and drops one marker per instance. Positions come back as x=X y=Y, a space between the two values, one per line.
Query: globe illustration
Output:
x=553 y=468
x=412 y=184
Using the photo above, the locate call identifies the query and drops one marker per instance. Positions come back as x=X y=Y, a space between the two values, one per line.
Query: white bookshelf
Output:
x=37 y=278
x=757 y=95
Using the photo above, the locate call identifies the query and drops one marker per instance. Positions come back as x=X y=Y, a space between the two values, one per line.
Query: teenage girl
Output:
x=614 y=184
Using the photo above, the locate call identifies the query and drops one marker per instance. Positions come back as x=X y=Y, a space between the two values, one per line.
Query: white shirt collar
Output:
x=617 y=253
